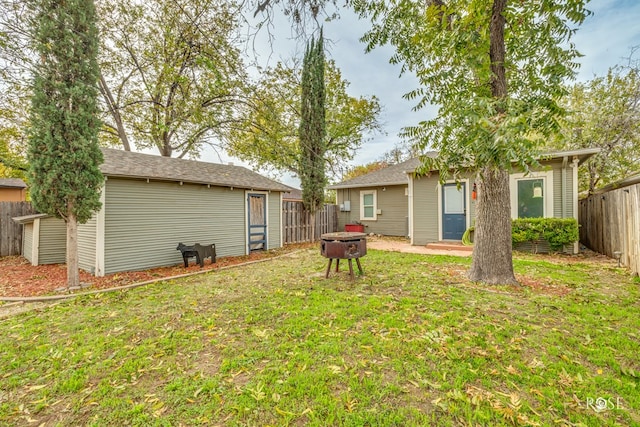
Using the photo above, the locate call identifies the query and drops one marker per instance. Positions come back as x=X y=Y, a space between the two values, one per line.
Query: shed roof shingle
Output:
x=127 y=164
x=391 y=175
x=12 y=183
x=397 y=174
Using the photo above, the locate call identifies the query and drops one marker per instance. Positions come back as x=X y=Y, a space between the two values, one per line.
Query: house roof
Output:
x=582 y=154
x=127 y=164
x=12 y=183
x=29 y=218
x=391 y=175
x=294 y=194
x=397 y=174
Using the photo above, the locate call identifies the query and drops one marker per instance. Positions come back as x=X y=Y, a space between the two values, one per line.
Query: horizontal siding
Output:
x=144 y=222
x=425 y=210
x=352 y=195
x=557 y=190
x=395 y=209
x=391 y=200
x=27 y=242
x=87 y=245
x=472 y=203
x=558 y=196
x=569 y=194
x=53 y=241
x=273 y=220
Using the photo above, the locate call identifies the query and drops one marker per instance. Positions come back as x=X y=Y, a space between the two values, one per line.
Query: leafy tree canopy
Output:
x=447 y=46
x=312 y=129
x=360 y=170
x=172 y=74
x=63 y=149
x=604 y=112
x=268 y=135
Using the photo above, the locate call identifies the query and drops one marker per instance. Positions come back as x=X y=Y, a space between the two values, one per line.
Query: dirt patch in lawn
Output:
x=18 y=278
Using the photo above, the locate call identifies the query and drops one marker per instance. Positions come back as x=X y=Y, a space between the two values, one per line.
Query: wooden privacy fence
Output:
x=610 y=222
x=296 y=222
x=10 y=232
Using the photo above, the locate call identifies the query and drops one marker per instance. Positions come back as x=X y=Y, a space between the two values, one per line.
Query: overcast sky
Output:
x=604 y=39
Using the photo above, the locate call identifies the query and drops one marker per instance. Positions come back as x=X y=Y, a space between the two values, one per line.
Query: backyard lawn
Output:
x=410 y=343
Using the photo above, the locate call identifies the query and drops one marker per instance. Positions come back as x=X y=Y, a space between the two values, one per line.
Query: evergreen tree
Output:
x=312 y=127
x=63 y=152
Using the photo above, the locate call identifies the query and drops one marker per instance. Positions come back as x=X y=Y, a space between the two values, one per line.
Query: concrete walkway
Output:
x=399 y=245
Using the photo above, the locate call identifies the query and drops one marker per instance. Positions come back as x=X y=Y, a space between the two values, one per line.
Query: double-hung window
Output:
x=368 y=205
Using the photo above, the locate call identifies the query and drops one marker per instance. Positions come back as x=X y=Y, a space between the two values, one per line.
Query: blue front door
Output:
x=454 y=211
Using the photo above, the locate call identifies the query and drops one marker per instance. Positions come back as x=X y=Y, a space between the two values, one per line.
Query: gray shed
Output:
x=44 y=239
x=151 y=203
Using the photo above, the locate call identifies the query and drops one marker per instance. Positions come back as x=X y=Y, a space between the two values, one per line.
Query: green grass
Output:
x=410 y=343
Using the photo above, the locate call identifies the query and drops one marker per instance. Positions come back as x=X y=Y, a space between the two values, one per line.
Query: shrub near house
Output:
x=558 y=232
x=530 y=233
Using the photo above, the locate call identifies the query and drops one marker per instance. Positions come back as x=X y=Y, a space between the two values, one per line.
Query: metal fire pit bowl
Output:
x=343 y=245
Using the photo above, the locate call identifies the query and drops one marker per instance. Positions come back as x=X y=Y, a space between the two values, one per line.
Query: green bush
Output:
x=557 y=231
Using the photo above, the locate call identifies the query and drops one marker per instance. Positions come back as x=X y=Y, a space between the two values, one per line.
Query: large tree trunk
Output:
x=492 y=262
x=73 y=277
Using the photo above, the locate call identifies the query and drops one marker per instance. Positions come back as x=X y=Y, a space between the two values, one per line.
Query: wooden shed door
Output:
x=257 y=206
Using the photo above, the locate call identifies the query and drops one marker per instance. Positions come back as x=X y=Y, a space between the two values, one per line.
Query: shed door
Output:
x=454 y=211
x=257 y=215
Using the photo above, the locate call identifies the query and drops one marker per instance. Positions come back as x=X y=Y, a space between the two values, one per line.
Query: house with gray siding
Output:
x=151 y=203
x=433 y=211
x=44 y=239
x=378 y=200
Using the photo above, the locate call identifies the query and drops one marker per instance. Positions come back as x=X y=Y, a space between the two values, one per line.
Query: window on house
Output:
x=531 y=195
x=368 y=205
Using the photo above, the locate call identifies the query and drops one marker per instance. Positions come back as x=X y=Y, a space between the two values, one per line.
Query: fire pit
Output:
x=343 y=245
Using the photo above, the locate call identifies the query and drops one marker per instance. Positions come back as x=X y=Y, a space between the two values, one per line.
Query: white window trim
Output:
x=375 y=205
x=547 y=177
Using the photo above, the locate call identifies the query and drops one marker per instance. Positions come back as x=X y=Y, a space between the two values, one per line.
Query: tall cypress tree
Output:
x=312 y=127
x=63 y=153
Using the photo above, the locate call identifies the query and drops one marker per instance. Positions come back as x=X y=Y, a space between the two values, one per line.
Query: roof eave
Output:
x=29 y=218
x=582 y=155
x=284 y=188
x=377 y=184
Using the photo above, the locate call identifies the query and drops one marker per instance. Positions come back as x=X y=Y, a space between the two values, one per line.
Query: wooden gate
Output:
x=10 y=232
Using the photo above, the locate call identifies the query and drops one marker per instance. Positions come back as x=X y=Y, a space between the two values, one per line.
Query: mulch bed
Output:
x=18 y=278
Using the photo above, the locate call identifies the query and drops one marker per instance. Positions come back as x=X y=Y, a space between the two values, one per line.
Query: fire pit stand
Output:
x=343 y=245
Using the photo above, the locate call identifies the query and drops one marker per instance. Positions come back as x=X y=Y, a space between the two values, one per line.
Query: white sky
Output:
x=604 y=39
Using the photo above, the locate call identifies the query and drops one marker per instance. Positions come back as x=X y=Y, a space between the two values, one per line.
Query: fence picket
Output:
x=610 y=222
x=10 y=232
x=297 y=222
